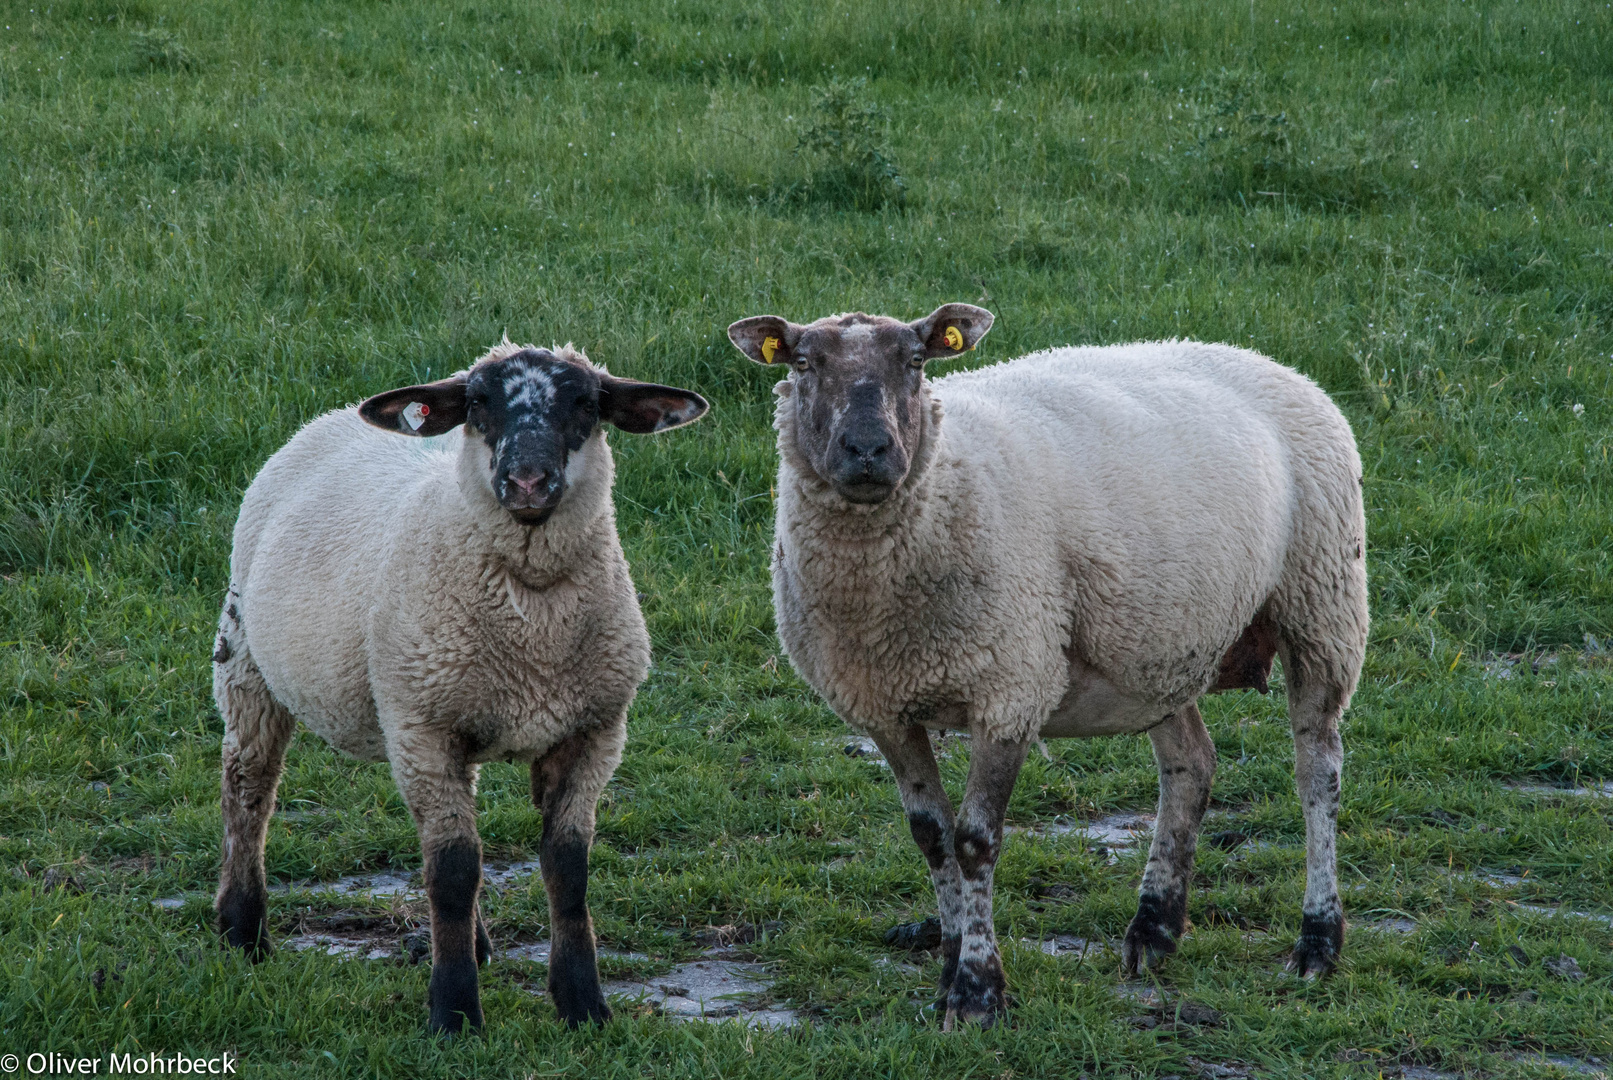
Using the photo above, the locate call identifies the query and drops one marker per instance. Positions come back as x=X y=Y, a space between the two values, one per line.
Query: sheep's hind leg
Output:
x=566 y=784
x=257 y=731
x=1186 y=758
x=438 y=783
x=929 y=818
x=980 y=990
x=1314 y=706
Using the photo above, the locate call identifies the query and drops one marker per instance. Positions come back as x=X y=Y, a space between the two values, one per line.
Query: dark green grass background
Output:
x=218 y=220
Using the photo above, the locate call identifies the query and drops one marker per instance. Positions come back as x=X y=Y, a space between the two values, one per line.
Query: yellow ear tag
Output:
x=770 y=345
x=953 y=339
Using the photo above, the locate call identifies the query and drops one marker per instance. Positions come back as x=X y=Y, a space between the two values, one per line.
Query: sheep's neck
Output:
x=539 y=556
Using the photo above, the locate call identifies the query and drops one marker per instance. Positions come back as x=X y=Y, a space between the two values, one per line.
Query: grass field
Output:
x=218 y=220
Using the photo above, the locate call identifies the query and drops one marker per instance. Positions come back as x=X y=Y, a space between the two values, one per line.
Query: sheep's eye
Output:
x=916 y=362
x=800 y=364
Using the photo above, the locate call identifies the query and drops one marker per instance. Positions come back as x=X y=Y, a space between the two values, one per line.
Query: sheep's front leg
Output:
x=980 y=991
x=929 y=818
x=257 y=731
x=566 y=785
x=438 y=783
x=1186 y=758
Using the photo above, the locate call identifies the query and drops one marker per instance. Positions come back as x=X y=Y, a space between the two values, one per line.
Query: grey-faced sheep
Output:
x=1078 y=542
x=439 y=605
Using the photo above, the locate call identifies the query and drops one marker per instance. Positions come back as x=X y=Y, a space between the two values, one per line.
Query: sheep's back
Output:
x=1169 y=477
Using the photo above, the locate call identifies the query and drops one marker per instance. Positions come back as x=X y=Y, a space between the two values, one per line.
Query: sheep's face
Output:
x=529 y=412
x=860 y=392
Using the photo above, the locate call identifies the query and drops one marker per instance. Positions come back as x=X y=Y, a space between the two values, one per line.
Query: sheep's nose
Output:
x=867 y=443
x=529 y=481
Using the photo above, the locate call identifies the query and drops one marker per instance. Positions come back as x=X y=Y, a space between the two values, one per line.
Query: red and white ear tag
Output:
x=415 y=415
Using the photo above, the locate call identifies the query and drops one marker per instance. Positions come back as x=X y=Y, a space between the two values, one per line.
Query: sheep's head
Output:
x=859 y=387
x=531 y=410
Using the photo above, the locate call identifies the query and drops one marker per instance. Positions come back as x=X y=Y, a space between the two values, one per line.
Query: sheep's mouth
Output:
x=865 y=492
x=533 y=515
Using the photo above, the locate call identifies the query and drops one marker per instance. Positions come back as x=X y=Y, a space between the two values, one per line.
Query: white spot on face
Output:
x=528 y=386
x=857 y=336
x=578 y=463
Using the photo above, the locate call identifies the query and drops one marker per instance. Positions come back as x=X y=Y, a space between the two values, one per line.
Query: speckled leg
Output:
x=1314 y=706
x=979 y=992
x=929 y=817
x=566 y=784
x=257 y=731
x=1186 y=758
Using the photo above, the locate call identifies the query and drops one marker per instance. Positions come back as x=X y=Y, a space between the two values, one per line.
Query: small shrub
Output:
x=1239 y=143
x=852 y=161
x=161 y=48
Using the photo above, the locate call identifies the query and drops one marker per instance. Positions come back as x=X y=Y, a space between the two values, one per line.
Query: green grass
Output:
x=219 y=220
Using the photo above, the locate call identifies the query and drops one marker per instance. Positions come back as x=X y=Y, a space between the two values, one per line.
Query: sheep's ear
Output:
x=641 y=407
x=766 y=339
x=952 y=329
x=430 y=409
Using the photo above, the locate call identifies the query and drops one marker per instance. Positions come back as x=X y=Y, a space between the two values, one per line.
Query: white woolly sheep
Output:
x=438 y=605
x=1079 y=542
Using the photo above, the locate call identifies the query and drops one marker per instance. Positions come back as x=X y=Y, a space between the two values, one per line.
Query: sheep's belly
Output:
x=360 y=738
x=1092 y=705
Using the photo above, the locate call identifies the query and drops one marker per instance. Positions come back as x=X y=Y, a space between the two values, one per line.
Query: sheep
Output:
x=1078 y=542
x=437 y=605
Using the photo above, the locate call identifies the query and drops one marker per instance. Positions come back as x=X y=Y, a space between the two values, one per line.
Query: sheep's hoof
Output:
x=1155 y=931
x=1316 y=953
x=575 y=1014
x=449 y=1024
x=456 y=1001
x=243 y=923
x=978 y=995
x=1146 y=946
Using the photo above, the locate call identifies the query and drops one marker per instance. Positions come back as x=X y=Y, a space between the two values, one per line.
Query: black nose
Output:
x=867 y=443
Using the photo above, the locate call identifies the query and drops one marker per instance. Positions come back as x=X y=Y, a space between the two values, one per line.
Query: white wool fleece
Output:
x=1099 y=518
x=384 y=592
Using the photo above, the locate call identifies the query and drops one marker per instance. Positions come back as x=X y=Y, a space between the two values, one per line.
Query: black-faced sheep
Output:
x=1079 y=542
x=438 y=605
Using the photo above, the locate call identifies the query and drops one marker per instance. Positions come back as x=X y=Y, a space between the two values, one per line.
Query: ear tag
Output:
x=770 y=345
x=953 y=338
x=415 y=415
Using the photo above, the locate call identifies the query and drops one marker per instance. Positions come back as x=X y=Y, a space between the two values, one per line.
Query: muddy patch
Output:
x=1065 y=945
x=1503 y=881
x=1107 y=835
x=861 y=746
x=382 y=885
x=1566 y=1063
x=1393 y=924
x=1221 y=1070
x=712 y=988
x=1601 y=790
x=360 y=935
x=1164 y=1013
x=1421 y=1072
x=385 y=883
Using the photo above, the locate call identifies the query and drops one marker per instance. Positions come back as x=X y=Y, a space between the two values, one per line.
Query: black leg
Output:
x=453 y=876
